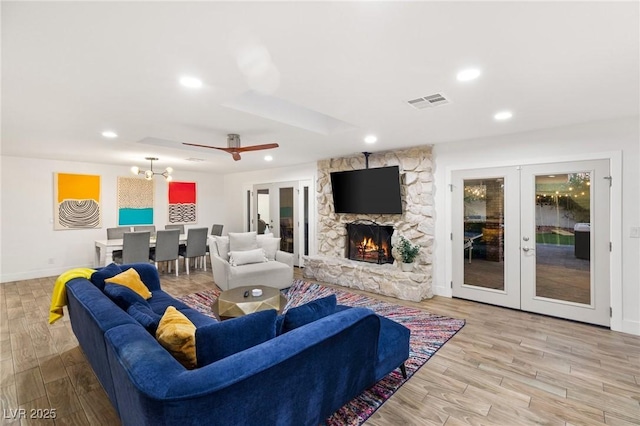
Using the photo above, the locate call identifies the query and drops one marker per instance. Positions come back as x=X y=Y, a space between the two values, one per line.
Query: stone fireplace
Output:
x=369 y=241
x=332 y=263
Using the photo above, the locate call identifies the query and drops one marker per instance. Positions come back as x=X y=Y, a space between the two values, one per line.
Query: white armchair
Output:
x=234 y=263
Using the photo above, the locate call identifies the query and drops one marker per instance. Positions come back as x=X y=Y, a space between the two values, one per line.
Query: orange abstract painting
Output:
x=76 y=201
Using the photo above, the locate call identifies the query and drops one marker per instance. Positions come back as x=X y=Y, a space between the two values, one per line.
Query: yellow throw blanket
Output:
x=59 y=296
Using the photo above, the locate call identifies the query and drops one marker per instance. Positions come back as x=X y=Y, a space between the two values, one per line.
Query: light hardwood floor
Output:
x=503 y=368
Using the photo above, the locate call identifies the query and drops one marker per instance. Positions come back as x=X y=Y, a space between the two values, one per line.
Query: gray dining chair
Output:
x=180 y=227
x=216 y=229
x=167 y=247
x=196 y=247
x=135 y=248
x=117 y=234
x=143 y=228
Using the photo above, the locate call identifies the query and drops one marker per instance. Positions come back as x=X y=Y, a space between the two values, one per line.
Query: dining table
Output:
x=105 y=248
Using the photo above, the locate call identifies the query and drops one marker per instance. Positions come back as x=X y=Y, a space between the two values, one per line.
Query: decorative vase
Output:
x=406 y=267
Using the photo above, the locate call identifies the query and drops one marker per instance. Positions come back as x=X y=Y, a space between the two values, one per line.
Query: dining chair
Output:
x=143 y=228
x=135 y=248
x=116 y=234
x=180 y=227
x=196 y=247
x=216 y=229
x=167 y=247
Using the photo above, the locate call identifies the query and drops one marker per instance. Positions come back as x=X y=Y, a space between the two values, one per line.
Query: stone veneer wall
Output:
x=416 y=223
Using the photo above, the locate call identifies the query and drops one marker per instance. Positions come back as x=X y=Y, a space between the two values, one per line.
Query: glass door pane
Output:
x=248 y=213
x=565 y=240
x=306 y=219
x=563 y=229
x=484 y=233
x=263 y=211
x=286 y=219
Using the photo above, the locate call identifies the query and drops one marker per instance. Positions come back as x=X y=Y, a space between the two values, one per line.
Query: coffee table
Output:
x=233 y=304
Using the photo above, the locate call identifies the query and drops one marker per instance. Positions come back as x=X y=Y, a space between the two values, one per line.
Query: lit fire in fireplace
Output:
x=368 y=249
x=369 y=242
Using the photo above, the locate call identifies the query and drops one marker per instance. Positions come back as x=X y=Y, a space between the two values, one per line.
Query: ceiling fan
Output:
x=234 y=148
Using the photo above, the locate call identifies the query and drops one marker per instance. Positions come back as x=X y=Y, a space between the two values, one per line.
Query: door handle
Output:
x=527 y=249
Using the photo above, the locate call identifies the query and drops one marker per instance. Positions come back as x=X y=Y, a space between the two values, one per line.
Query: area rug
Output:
x=428 y=334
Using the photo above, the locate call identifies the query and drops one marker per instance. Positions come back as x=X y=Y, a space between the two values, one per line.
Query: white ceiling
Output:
x=337 y=72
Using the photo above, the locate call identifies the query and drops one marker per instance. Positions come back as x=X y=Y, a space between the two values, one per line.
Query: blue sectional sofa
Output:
x=297 y=378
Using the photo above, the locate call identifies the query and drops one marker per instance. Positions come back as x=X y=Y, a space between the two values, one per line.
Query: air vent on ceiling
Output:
x=429 y=101
x=195 y=159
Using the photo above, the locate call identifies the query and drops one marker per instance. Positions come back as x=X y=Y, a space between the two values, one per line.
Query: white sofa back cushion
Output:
x=269 y=244
x=242 y=241
x=222 y=243
x=237 y=258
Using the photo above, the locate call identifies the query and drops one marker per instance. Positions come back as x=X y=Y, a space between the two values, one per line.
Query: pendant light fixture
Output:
x=149 y=174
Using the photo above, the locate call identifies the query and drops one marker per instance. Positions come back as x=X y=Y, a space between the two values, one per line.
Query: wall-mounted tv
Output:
x=370 y=191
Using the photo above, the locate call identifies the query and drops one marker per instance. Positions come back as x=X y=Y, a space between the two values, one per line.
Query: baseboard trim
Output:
x=442 y=291
x=39 y=273
x=631 y=327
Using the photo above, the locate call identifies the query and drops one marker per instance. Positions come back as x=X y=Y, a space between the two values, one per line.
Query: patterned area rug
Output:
x=428 y=334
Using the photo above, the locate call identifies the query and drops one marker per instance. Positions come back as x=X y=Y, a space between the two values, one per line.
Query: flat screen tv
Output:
x=370 y=191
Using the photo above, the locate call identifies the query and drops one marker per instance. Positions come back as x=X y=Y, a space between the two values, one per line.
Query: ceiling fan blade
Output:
x=257 y=147
x=206 y=146
x=235 y=151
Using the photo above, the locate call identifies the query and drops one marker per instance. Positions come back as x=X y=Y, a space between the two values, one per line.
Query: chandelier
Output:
x=149 y=174
x=475 y=192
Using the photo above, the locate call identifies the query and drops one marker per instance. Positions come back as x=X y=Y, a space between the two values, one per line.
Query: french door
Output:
x=283 y=209
x=535 y=238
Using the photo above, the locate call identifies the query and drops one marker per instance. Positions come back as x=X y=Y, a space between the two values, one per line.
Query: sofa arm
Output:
x=221 y=271
x=284 y=257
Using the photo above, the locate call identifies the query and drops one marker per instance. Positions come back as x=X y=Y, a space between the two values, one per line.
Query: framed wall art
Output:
x=76 y=201
x=182 y=202
x=135 y=201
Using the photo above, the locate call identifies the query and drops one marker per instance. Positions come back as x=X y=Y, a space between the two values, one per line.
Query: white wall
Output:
x=235 y=183
x=614 y=137
x=30 y=248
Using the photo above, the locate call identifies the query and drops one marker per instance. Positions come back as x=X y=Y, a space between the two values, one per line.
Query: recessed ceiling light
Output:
x=109 y=134
x=503 y=115
x=371 y=139
x=268 y=158
x=191 y=82
x=468 y=74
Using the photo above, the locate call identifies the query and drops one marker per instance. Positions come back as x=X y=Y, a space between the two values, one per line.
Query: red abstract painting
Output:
x=182 y=202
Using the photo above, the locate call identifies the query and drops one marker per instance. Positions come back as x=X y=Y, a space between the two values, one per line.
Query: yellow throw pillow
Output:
x=178 y=335
x=131 y=279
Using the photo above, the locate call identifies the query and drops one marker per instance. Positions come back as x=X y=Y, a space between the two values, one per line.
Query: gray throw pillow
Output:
x=270 y=245
x=242 y=241
x=237 y=258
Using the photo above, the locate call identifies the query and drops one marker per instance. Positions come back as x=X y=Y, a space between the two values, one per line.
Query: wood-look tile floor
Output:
x=504 y=367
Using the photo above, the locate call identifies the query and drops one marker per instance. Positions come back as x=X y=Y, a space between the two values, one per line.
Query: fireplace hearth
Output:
x=368 y=241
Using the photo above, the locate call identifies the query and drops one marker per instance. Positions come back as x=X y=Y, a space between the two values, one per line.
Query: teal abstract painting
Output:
x=135 y=201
